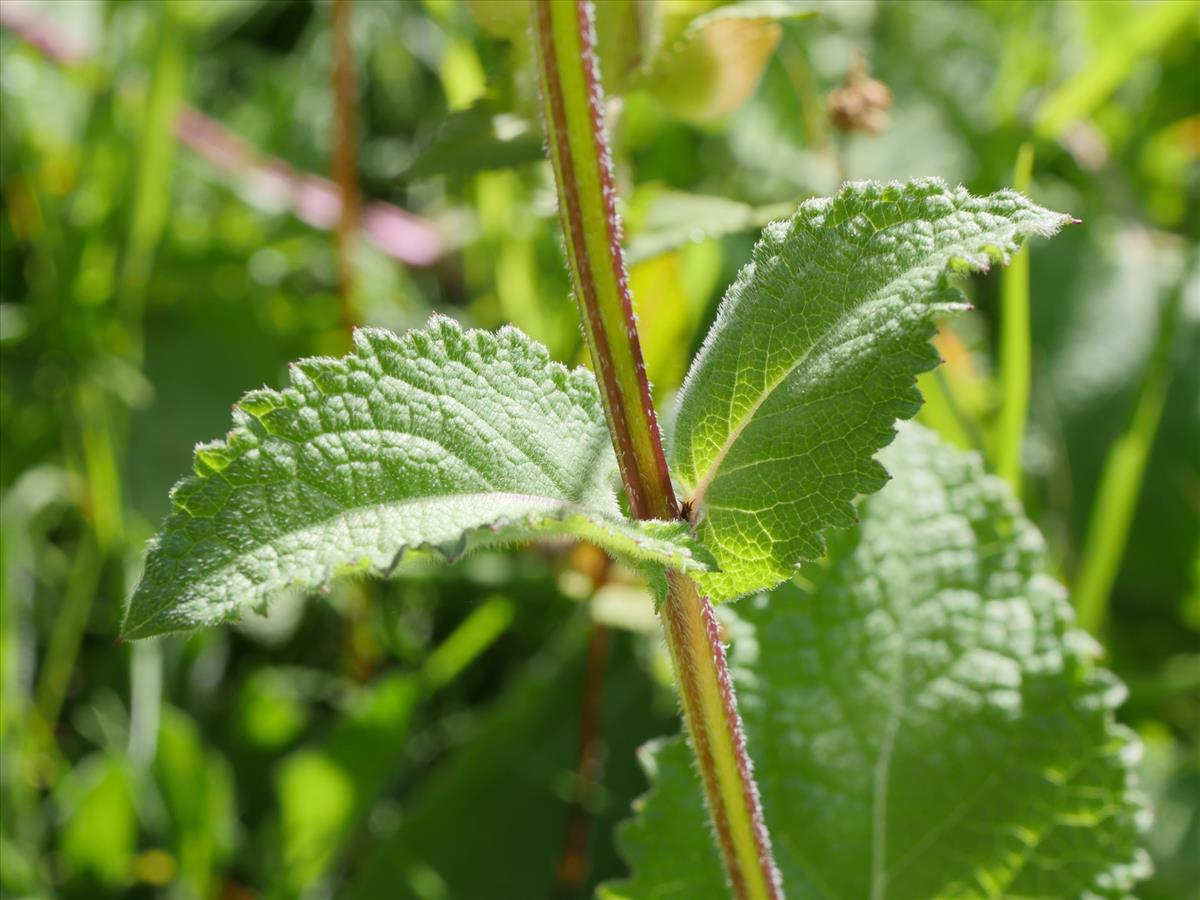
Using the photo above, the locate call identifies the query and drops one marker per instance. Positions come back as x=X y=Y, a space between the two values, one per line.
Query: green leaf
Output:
x=812 y=358
x=443 y=440
x=480 y=138
x=675 y=219
x=716 y=63
x=925 y=719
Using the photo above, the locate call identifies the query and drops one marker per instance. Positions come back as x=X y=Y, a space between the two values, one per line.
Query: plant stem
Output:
x=572 y=107
x=1124 y=469
x=573 y=114
x=573 y=866
x=70 y=623
x=718 y=740
x=1015 y=354
x=155 y=164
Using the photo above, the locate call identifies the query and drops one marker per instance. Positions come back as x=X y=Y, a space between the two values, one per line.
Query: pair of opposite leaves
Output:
x=443 y=440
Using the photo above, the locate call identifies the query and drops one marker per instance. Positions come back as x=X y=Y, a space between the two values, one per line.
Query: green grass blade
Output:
x=1124 y=470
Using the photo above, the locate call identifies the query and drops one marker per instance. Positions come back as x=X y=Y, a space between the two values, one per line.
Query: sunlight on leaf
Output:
x=442 y=439
x=813 y=357
x=925 y=719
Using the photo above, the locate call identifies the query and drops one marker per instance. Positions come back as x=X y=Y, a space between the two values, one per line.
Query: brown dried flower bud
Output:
x=861 y=103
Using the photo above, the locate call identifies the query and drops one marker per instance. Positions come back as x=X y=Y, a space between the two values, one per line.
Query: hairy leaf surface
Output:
x=924 y=717
x=442 y=439
x=814 y=356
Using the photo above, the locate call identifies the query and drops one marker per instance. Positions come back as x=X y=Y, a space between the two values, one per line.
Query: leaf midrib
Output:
x=712 y=471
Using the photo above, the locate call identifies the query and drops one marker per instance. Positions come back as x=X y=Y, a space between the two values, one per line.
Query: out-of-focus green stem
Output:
x=473 y=636
x=94 y=416
x=1121 y=480
x=152 y=178
x=573 y=864
x=1015 y=356
x=145 y=701
x=59 y=661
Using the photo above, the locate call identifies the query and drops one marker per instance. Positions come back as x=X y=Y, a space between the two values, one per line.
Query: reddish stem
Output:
x=572 y=105
x=573 y=867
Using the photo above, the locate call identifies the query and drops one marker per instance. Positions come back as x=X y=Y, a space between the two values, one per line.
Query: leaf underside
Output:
x=442 y=440
x=925 y=720
x=814 y=356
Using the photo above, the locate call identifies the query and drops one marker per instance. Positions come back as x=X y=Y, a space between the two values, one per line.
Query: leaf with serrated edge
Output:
x=814 y=356
x=925 y=719
x=442 y=439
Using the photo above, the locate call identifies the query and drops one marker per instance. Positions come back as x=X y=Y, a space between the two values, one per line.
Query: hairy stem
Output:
x=715 y=729
x=572 y=108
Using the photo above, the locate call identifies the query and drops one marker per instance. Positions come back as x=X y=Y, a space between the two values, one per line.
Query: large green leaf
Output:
x=442 y=439
x=814 y=356
x=924 y=717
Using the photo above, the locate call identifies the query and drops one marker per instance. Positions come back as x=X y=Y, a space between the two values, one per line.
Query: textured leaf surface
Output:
x=442 y=439
x=813 y=357
x=925 y=719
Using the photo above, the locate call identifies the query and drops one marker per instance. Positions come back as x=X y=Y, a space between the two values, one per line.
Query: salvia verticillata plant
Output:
x=923 y=718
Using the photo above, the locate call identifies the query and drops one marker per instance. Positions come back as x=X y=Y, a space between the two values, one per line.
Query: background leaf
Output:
x=925 y=719
x=714 y=65
x=521 y=755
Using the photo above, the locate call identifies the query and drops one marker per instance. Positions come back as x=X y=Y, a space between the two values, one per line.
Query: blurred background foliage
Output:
x=171 y=239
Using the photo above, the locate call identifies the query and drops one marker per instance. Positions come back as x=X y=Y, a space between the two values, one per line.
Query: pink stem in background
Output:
x=269 y=182
x=266 y=182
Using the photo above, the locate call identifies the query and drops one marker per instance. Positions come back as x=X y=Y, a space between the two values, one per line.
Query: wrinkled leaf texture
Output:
x=925 y=720
x=814 y=356
x=441 y=439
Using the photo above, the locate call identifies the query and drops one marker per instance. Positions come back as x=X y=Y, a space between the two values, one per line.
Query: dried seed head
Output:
x=861 y=103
